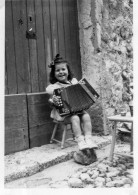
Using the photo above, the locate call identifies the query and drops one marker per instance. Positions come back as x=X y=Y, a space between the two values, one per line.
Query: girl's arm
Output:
x=53 y=100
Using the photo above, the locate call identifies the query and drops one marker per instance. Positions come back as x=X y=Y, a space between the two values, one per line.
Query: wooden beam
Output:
x=16 y=123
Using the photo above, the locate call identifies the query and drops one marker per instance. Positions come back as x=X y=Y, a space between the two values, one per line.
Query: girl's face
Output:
x=61 y=72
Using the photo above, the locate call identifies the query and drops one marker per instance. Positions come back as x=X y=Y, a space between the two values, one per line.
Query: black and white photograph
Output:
x=69 y=95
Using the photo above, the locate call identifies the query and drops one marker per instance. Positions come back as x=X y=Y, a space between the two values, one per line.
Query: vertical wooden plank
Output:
x=10 y=50
x=67 y=31
x=60 y=23
x=40 y=45
x=73 y=37
x=76 y=31
x=16 y=123
x=54 y=30
x=21 y=46
x=40 y=123
x=6 y=77
x=32 y=46
x=47 y=36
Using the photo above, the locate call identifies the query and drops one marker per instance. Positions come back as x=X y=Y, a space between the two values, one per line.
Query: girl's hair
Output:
x=58 y=60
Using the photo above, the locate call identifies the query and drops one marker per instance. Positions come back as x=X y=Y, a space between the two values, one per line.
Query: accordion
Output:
x=76 y=98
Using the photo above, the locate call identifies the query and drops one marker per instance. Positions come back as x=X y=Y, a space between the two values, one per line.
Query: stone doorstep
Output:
x=29 y=162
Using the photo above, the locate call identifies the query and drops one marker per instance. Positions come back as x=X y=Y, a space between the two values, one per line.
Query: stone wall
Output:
x=105 y=28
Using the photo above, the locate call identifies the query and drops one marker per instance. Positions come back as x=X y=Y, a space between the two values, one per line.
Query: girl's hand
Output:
x=56 y=100
x=81 y=82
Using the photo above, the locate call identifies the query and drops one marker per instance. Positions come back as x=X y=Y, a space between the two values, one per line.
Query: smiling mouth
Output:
x=61 y=75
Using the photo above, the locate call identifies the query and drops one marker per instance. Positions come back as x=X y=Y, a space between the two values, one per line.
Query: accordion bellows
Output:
x=76 y=98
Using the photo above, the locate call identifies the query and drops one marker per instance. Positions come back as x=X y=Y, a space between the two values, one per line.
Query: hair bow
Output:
x=51 y=64
x=56 y=58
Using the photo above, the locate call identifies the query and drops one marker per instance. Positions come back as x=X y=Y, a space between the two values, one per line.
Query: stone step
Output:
x=28 y=162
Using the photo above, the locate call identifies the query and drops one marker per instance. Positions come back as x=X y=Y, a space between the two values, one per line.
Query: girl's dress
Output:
x=50 y=89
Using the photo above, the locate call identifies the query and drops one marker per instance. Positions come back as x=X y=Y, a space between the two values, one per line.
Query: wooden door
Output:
x=35 y=31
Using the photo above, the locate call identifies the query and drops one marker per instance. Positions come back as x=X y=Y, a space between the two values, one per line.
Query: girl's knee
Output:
x=86 y=117
x=75 y=118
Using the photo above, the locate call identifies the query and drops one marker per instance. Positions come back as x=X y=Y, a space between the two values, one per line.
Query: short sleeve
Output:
x=50 y=89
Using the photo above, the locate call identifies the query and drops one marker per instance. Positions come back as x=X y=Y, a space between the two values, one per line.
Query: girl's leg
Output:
x=86 y=123
x=87 y=128
x=75 y=120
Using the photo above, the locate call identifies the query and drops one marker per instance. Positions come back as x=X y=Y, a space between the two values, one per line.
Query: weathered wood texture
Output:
x=27 y=122
x=40 y=123
x=10 y=69
x=55 y=24
x=16 y=123
x=21 y=46
x=73 y=22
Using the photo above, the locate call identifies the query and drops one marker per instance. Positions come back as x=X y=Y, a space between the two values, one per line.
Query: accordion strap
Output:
x=88 y=92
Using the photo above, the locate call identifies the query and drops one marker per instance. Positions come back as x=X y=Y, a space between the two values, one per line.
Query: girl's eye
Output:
x=59 y=70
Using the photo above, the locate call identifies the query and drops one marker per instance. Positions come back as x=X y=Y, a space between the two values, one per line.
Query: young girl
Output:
x=61 y=76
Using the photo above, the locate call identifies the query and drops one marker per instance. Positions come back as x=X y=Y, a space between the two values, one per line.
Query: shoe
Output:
x=89 y=142
x=81 y=143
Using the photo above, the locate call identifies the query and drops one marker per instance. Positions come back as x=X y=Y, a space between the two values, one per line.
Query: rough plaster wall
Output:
x=90 y=62
x=106 y=51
